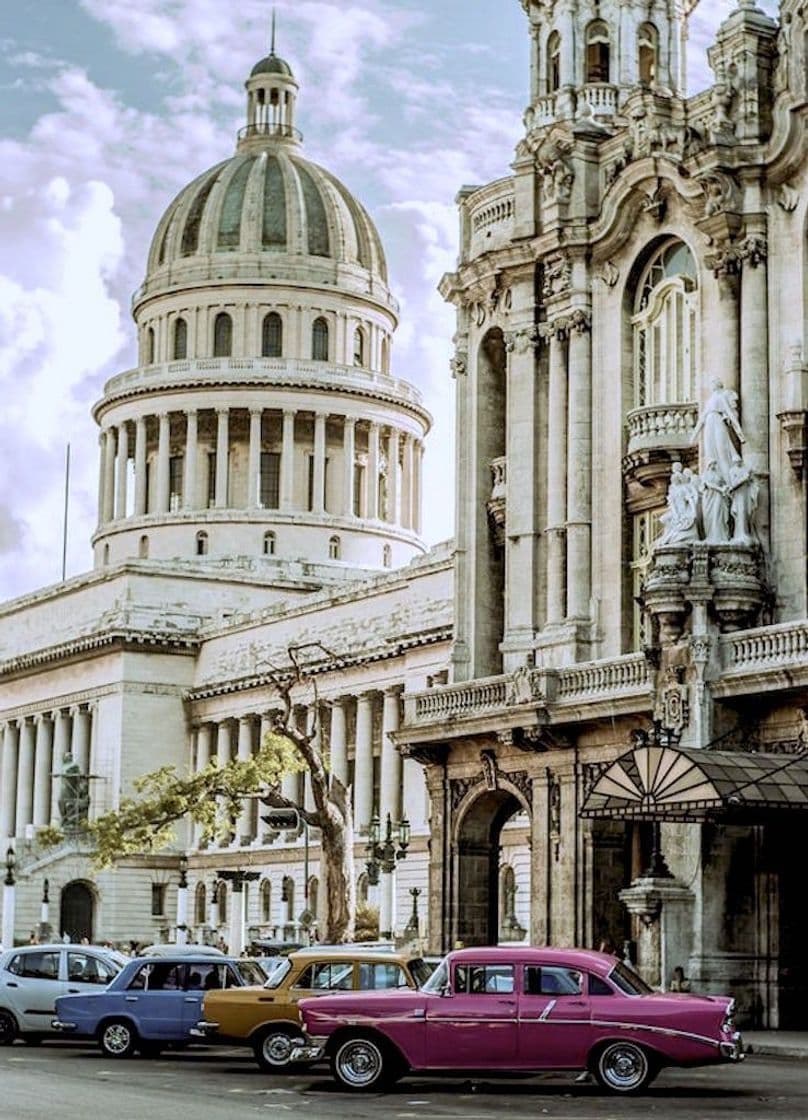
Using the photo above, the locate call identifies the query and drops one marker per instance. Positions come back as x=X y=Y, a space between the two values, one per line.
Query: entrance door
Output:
x=76 y=912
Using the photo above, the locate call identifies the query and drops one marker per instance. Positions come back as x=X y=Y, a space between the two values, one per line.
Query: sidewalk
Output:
x=785 y=1044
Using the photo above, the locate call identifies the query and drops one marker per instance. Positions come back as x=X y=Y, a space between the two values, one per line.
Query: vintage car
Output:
x=153 y=1002
x=266 y=1018
x=519 y=1010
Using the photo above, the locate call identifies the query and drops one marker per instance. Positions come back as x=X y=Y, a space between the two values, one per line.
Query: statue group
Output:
x=719 y=505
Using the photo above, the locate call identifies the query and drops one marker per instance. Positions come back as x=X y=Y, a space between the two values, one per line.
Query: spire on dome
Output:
x=271 y=95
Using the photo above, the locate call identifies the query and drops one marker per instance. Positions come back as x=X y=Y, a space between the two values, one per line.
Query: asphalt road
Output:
x=59 y=1081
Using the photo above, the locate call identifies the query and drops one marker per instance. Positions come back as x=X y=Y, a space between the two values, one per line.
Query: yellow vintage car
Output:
x=266 y=1018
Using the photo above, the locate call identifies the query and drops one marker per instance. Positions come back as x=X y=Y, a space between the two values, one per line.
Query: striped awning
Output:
x=659 y=783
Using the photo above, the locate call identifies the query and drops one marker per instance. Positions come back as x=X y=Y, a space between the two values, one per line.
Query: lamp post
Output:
x=9 y=899
x=213 y=910
x=45 y=930
x=412 y=930
x=237 y=879
x=279 y=819
x=182 y=902
x=382 y=857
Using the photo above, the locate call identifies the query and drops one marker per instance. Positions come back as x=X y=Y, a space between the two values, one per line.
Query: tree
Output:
x=213 y=796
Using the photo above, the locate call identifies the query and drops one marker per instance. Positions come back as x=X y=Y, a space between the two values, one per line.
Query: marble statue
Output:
x=743 y=493
x=681 y=517
x=74 y=793
x=714 y=505
x=717 y=424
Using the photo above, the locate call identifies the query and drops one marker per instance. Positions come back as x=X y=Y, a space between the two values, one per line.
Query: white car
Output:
x=33 y=976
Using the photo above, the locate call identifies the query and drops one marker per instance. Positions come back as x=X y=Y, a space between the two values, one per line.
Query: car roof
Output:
x=52 y=946
x=352 y=951
x=536 y=954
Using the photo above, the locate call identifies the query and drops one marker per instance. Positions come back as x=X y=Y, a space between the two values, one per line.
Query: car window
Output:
x=599 y=987
x=89 y=969
x=482 y=978
x=251 y=973
x=373 y=975
x=36 y=966
x=439 y=979
x=158 y=976
x=628 y=981
x=327 y=975
x=555 y=981
x=420 y=971
x=279 y=974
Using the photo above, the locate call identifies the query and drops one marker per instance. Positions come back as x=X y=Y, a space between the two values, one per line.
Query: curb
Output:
x=773 y=1051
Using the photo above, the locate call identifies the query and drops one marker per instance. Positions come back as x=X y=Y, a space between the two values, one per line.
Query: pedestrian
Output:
x=679 y=982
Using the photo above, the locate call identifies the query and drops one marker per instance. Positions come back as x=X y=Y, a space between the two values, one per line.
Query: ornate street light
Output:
x=182 y=902
x=383 y=855
x=9 y=900
x=11 y=863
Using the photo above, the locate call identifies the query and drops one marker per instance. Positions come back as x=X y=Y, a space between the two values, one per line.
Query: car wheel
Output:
x=624 y=1067
x=8 y=1028
x=272 y=1049
x=117 y=1039
x=361 y=1064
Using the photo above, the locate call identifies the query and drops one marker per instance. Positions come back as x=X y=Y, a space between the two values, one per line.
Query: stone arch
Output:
x=77 y=903
x=476 y=832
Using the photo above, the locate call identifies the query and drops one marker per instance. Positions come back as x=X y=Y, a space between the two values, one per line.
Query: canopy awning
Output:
x=656 y=783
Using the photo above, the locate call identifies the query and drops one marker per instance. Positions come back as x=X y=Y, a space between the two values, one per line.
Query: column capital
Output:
x=257 y=411
x=393 y=690
x=223 y=411
x=290 y=413
x=349 y=421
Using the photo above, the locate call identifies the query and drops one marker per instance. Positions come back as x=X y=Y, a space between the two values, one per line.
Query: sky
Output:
x=107 y=109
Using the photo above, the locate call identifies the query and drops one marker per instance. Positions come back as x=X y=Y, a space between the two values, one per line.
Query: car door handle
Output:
x=507 y=1002
x=74 y=991
x=12 y=984
x=191 y=999
x=130 y=999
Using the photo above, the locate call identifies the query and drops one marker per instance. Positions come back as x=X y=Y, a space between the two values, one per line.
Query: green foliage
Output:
x=212 y=798
x=367 y=923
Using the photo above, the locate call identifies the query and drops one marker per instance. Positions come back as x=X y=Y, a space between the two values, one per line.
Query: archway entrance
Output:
x=492 y=880
x=76 y=911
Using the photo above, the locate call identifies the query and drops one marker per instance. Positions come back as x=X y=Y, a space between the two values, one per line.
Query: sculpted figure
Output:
x=714 y=505
x=74 y=793
x=680 y=518
x=743 y=491
x=717 y=424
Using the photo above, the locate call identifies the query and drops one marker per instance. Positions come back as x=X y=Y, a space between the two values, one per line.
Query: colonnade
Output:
x=391 y=465
x=33 y=750
x=382 y=781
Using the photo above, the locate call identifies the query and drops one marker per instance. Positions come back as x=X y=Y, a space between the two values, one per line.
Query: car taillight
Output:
x=728 y=1025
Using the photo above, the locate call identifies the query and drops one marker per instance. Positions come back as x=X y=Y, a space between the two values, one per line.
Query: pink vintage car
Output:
x=518 y=1010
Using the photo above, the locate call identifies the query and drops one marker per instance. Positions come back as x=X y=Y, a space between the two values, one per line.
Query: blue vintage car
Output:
x=152 y=1002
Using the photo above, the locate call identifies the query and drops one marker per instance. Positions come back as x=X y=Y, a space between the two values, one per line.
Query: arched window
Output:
x=647 y=53
x=359 y=347
x=553 y=62
x=362 y=887
x=221 y=899
x=507 y=899
x=333 y=548
x=222 y=335
x=314 y=890
x=319 y=340
x=265 y=901
x=105 y=555
x=269 y=543
x=143 y=547
x=385 y=354
x=150 y=346
x=272 y=336
x=288 y=898
x=180 y=347
x=202 y=543
x=665 y=328
x=597 y=52
x=387 y=556
x=200 y=905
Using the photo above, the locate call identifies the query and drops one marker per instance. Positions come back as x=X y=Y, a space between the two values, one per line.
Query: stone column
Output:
x=363 y=764
x=579 y=469
x=123 y=469
x=244 y=832
x=163 y=451
x=288 y=461
x=725 y=338
x=43 y=764
x=102 y=474
x=372 y=480
x=556 y=475
x=204 y=749
x=61 y=746
x=222 y=456
x=392 y=477
x=417 y=485
x=318 y=489
x=391 y=759
x=109 y=476
x=567 y=61
x=406 y=482
x=254 y=467
x=25 y=777
x=80 y=738
x=140 y=466
x=348 y=465
x=222 y=757
x=191 y=485
x=414 y=796
x=339 y=740
x=755 y=370
x=8 y=779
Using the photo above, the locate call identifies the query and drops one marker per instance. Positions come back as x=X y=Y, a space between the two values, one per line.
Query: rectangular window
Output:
x=358 y=489
x=310 y=483
x=327 y=976
x=211 y=479
x=552 y=981
x=175 y=466
x=373 y=977
x=483 y=978
x=270 y=483
x=158 y=899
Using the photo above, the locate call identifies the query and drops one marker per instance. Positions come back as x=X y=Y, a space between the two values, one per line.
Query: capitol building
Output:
x=591 y=706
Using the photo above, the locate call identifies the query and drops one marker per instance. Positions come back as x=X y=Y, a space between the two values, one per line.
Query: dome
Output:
x=272 y=203
x=271 y=65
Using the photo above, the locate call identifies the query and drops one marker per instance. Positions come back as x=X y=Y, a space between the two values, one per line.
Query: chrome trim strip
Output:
x=545 y=1014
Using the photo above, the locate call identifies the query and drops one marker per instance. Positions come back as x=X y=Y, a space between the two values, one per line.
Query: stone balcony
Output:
x=764 y=659
x=491 y=219
x=658 y=434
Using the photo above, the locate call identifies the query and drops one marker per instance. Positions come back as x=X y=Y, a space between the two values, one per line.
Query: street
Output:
x=73 y=1082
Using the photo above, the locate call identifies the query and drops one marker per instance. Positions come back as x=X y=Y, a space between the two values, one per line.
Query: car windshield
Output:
x=252 y=972
x=628 y=981
x=277 y=976
x=438 y=980
x=420 y=971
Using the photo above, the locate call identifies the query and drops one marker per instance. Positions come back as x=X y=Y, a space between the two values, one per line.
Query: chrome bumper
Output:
x=733 y=1051
x=204 y=1029
x=61 y=1025
x=308 y=1050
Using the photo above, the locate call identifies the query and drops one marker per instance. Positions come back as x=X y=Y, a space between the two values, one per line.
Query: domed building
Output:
x=259 y=488
x=263 y=420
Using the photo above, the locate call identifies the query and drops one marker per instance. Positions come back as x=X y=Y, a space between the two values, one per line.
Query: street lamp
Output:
x=9 y=899
x=382 y=857
x=45 y=930
x=182 y=902
x=237 y=879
